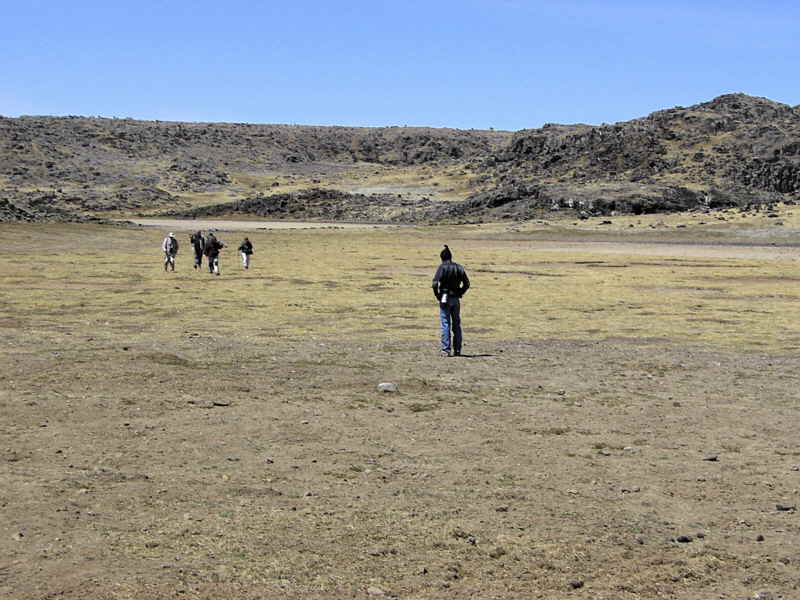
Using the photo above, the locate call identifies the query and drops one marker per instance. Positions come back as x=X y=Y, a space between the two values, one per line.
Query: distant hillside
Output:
x=735 y=150
x=80 y=150
x=735 y=139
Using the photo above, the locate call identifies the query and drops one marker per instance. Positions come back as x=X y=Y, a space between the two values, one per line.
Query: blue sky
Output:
x=507 y=64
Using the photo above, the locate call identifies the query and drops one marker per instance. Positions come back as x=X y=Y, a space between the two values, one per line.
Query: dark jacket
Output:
x=246 y=247
x=199 y=243
x=450 y=279
x=213 y=246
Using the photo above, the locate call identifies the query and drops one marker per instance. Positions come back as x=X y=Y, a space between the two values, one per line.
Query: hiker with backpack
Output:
x=170 y=248
x=213 y=246
x=199 y=244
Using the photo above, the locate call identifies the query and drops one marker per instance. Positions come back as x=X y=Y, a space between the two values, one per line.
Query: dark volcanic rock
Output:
x=35 y=207
x=732 y=140
x=317 y=204
x=734 y=151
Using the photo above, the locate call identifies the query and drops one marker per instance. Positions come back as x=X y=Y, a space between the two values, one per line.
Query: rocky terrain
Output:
x=734 y=151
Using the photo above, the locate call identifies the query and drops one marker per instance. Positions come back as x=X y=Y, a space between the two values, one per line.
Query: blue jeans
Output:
x=450 y=317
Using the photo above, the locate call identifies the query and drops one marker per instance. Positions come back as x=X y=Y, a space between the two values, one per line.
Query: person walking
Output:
x=199 y=244
x=213 y=246
x=246 y=248
x=170 y=248
x=450 y=283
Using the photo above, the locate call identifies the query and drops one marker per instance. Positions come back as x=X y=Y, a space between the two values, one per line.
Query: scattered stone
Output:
x=497 y=552
x=375 y=591
x=576 y=585
x=269 y=460
x=683 y=539
x=502 y=509
x=701 y=536
x=202 y=403
x=759 y=538
x=233 y=458
x=785 y=508
x=221 y=403
x=763 y=596
x=712 y=457
x=387 y=387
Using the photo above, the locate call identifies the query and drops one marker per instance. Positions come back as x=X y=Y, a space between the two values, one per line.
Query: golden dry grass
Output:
x=330 y=283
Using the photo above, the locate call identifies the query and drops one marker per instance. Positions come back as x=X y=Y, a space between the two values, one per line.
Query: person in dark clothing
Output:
x=199 y=244
x=246 y=248
x=213 y=246
x=450 y=283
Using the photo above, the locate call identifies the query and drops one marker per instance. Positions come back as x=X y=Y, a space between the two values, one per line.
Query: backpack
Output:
x=173 y=246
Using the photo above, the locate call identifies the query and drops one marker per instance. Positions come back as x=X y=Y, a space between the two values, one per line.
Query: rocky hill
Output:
x=735 y=150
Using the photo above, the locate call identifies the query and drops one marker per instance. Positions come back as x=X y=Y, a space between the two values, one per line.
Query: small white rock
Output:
x=387 y=387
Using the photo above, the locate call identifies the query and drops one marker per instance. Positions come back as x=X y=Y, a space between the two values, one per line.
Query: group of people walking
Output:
x=208 y=246
x=449 y=284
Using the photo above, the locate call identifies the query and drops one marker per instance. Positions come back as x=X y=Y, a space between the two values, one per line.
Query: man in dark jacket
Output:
x=213 y=246
x=199 y=245
x=246 y=248
x=449 y=284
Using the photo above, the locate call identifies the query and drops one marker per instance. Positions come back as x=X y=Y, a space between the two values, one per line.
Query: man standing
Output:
x=170 y=248
x=199 y=244
x=449 y=284
x=246 y=248
x=213 y=246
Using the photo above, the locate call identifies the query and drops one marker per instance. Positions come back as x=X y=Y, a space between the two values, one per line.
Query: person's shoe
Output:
x=457 y=353
x=444 y=353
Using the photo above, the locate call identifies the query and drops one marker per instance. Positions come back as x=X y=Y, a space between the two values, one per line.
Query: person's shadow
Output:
x=473 y=355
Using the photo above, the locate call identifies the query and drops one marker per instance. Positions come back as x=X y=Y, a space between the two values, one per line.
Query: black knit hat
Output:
x=446 y=254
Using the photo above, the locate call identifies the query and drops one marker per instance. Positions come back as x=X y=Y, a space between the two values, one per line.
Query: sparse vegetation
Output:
x=224 y=436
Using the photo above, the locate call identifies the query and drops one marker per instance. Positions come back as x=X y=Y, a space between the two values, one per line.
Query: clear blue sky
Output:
x=507 y=64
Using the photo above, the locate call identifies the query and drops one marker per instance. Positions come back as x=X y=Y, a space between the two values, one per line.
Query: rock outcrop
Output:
x=735 y=150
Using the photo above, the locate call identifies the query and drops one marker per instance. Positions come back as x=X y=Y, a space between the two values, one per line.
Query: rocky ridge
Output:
x=735 y=150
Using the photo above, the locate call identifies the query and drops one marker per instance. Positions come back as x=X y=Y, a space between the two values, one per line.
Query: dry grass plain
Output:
x=189 y=436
